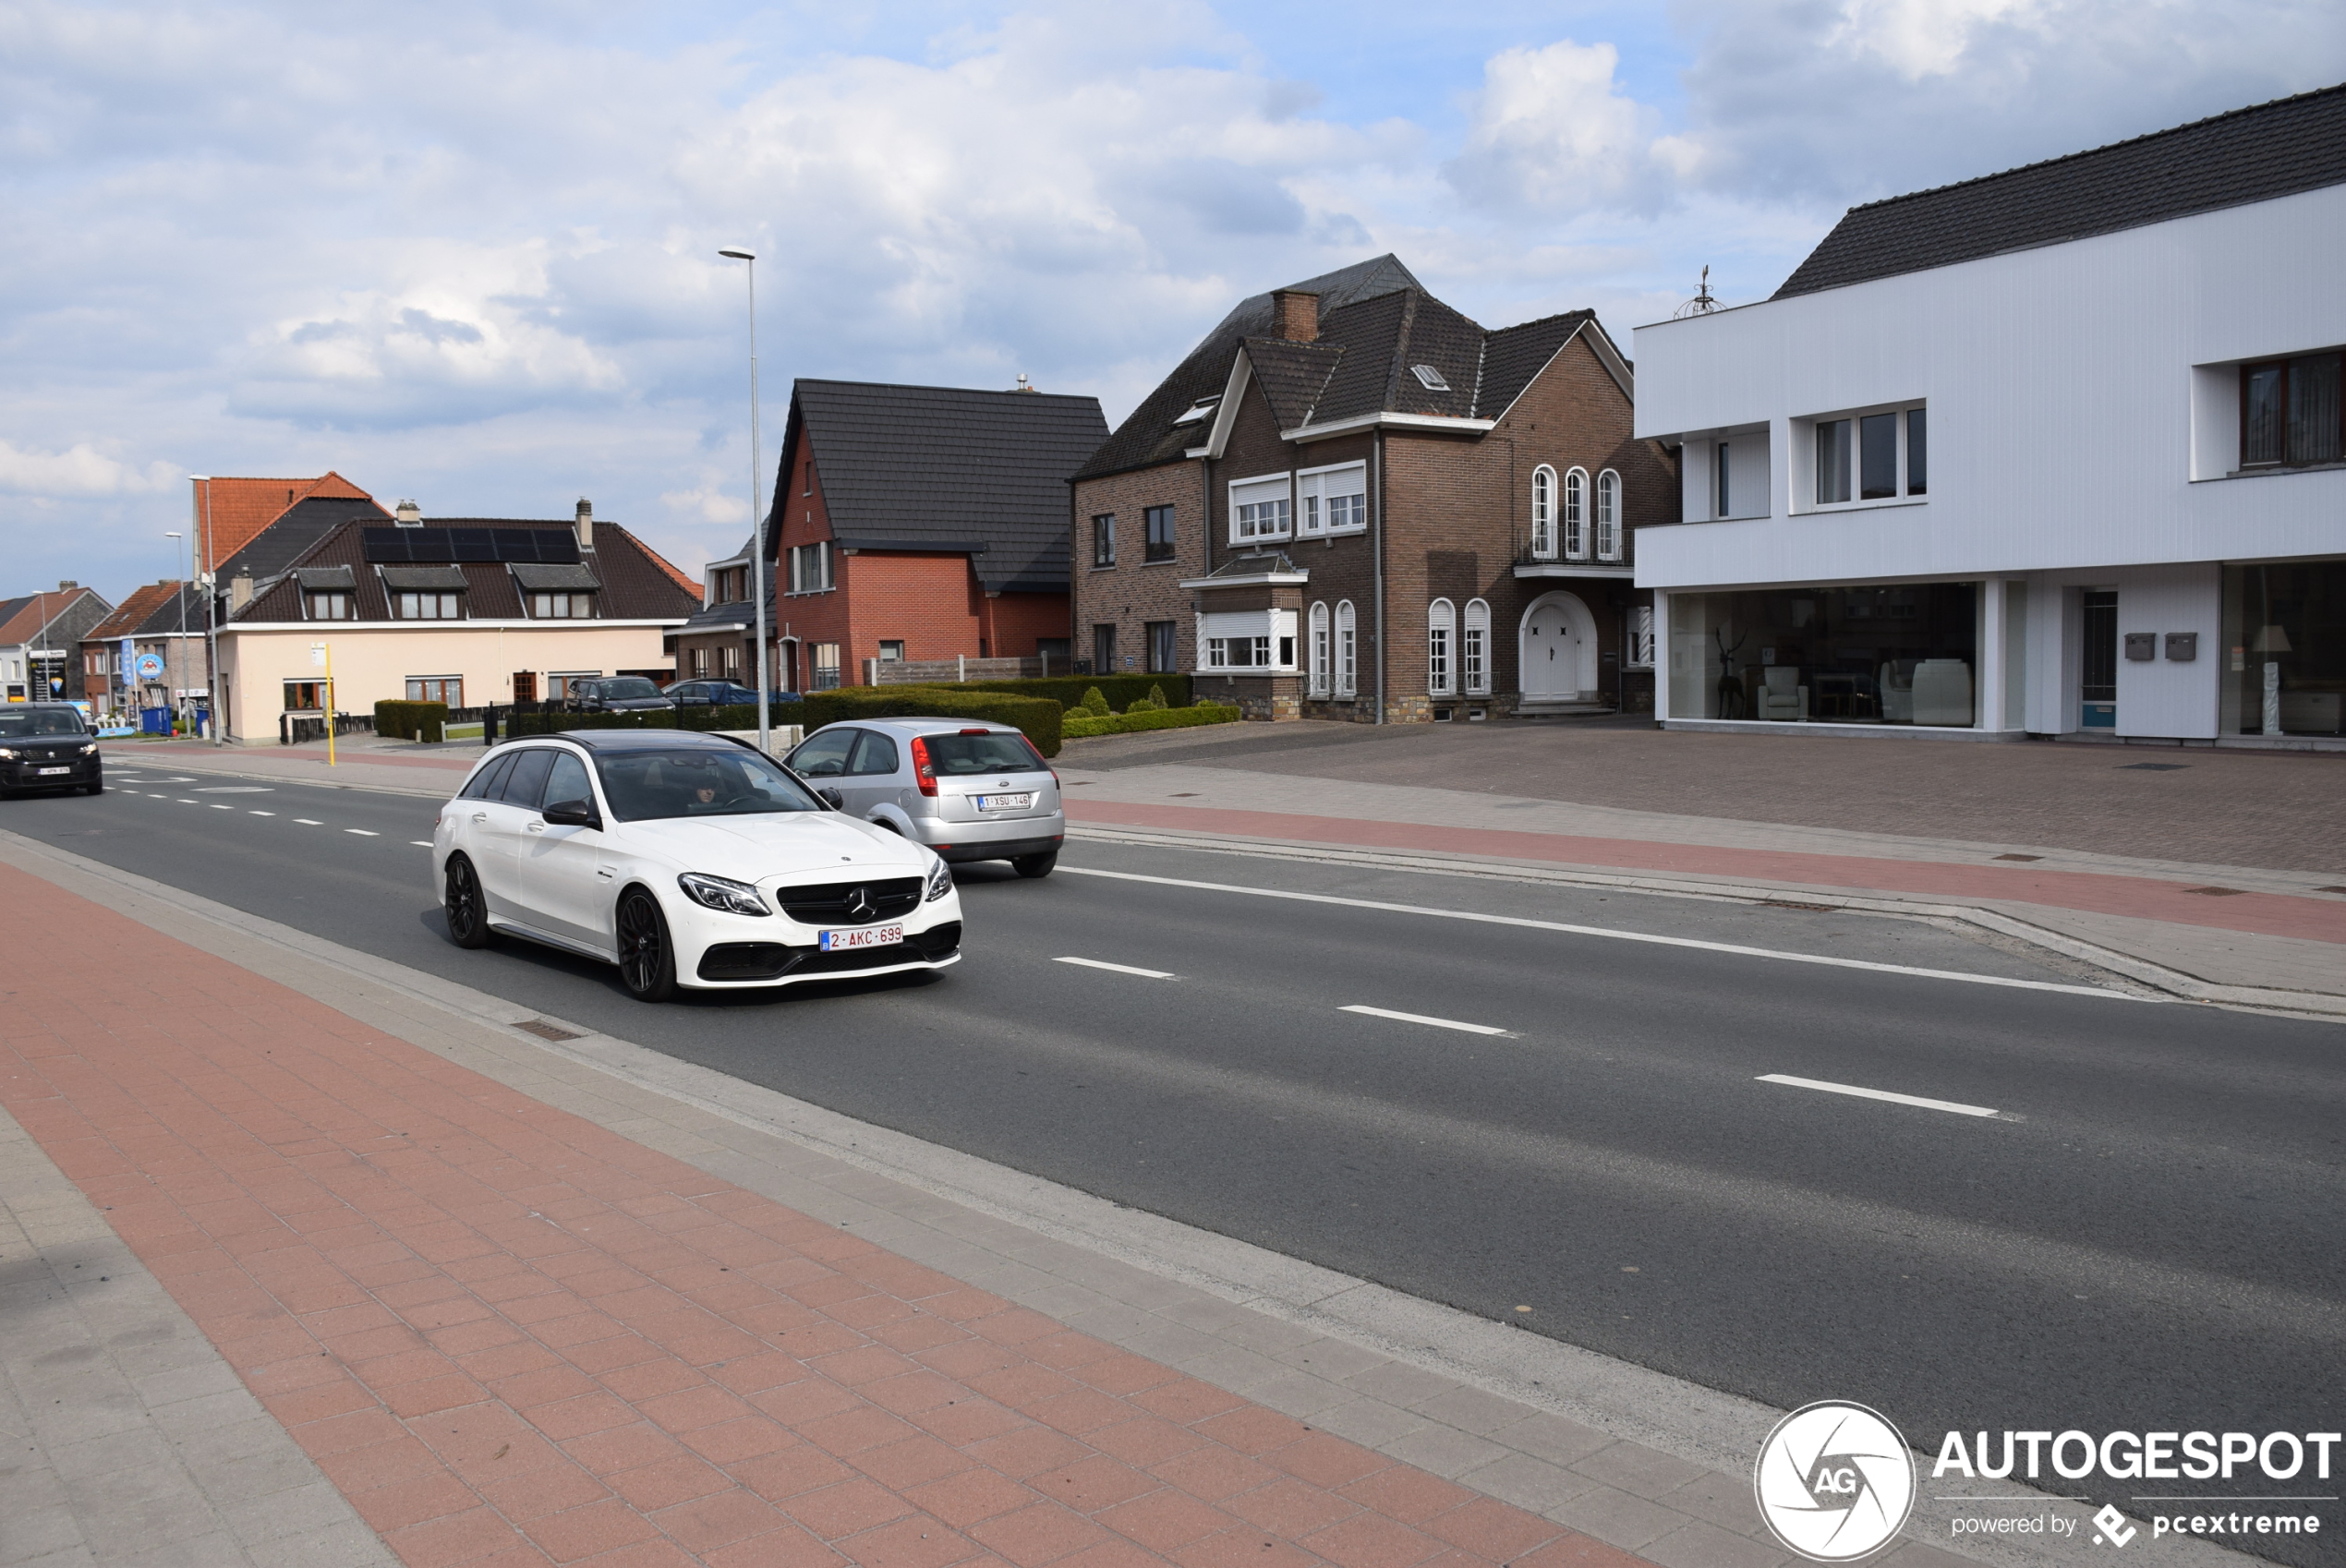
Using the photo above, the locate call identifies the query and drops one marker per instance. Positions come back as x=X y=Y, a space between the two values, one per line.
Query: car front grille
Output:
x=851 y=904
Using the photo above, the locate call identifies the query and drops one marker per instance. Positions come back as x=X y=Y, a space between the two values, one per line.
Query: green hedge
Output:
x=1037 y=718
x=1080 y=724
x=1068 y=691
x=412 y=721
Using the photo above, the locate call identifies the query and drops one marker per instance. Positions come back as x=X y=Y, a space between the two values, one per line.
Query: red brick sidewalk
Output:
x=512 y=1337
x=2140 y=898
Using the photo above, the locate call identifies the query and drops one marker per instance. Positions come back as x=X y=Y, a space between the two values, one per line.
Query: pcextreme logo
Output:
x=1834 y=1481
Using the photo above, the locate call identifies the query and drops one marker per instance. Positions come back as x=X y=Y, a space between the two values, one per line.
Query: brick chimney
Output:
x=585 y=523
x=1297 y=313
x=239 y=593
x=407 y=514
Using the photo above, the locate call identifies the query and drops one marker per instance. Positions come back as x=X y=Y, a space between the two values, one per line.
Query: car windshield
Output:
x=39 y=722
x=988 y=751
x=619 y=690
x=649 y=785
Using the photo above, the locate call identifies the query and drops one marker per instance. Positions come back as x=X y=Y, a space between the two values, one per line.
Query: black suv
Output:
x=622 y=694
x=46 y=746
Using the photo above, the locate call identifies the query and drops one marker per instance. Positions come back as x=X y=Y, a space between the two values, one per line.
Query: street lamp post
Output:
x=757 y=508
x=210 y=611
x=180 y=592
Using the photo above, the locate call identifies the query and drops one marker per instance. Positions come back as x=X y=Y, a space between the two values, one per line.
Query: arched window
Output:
x=1321 y=662
x=1576 y=515
x=1544 y=513
x=1441 y=631
x=1474 y=649
x=1608 y=515
x=1346 y=665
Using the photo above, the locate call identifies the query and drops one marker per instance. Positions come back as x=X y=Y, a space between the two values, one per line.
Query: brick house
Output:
x=1350 y=501
x=39 y=634
x=149 y=652
x=231 y=512
x=909 y=525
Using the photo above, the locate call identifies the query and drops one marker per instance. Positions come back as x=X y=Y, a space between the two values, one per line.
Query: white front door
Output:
x=1559 y=650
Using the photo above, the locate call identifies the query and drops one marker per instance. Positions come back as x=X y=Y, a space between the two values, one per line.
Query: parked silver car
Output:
x=968 y=790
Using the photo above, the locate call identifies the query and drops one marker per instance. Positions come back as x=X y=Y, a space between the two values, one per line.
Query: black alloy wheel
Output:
x=468 y=911
x=646 y=958
x=1036 y=865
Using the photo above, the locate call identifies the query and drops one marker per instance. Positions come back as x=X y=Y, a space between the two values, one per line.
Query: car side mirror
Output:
x=571 y=814
x=833 y=798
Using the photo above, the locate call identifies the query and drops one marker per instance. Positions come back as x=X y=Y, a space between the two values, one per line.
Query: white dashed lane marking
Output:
x=363 y=832
x=1954 y=1106
x=1120 y=969
x=263 y=813
x=1421 y=1018
x=307 y=823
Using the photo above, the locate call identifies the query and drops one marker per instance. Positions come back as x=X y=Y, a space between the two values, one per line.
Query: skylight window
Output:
x=1429 y=378
x=1199 y=410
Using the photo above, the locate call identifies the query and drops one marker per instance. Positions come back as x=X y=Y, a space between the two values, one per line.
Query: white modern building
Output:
x=2053 y=452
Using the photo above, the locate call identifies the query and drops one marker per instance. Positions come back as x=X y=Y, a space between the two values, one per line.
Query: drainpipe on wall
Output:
x=1376 y=483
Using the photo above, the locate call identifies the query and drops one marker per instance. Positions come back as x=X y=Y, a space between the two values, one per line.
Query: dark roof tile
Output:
x=2253 y=154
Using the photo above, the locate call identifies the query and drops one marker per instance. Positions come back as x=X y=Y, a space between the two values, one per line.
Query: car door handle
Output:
x=535 y=828
x=604 y=870
x=481 y=816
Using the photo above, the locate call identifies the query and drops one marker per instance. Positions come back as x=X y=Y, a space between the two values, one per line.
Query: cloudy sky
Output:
x=466 y=252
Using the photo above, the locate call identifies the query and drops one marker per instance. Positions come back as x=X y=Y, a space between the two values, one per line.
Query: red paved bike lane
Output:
x=512 y=1336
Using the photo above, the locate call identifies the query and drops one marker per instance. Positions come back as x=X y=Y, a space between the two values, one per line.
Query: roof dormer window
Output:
x=1200 y=409
x=1429 y=378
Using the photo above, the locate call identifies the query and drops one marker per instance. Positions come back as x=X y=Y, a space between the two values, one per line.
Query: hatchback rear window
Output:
x=993 y=751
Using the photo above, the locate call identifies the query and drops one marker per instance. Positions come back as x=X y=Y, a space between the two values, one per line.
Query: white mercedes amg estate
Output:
x=686 y=860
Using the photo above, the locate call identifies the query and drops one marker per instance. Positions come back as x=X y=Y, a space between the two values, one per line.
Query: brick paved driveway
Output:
x=2284 y=811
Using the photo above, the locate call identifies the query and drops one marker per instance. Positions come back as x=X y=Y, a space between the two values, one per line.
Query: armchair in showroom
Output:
x=1781 y=694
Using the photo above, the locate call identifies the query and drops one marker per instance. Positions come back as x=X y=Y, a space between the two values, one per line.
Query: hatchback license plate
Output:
x=863 y=936
x=1005 y=803
x=47 y=771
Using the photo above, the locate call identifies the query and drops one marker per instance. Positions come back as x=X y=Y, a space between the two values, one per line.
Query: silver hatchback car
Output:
x=969 y=789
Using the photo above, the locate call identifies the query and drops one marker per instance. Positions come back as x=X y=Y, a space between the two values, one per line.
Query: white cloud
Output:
x=1552 y=132
x=78 y=471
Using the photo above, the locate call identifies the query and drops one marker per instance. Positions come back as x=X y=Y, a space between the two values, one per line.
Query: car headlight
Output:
x=90 y=749
x=722 y=893
x=940 y=881
x=6 y=754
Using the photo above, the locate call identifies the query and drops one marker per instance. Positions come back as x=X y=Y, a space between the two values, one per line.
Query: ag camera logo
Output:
x=1834 y=1481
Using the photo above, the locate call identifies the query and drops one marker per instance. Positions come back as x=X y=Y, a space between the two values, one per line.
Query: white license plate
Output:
x=49 y=770
x=862 y=936
x=1005 y=803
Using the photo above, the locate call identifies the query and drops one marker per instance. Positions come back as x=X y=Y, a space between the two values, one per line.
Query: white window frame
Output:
x=1576 y=515
x=1260 y=636
x=409 y=606
x=1441 y=648
x=1474 y=649
x=1316 y=488
x=1608 y=515
x=1323 y=663
x=1804 y=457
x=1248 y=526
x=822 y=562
x=1543 y=514
x=1347 y=667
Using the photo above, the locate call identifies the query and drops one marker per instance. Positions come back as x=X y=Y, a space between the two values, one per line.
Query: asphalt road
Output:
x=2145 y=1237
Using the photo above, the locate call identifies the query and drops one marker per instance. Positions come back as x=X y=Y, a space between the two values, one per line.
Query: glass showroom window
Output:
x=1346 y=665
x=1576 y=515
x=1321 y=650
x=1474 y=649
x=1441 y=627
x=1608 y=515
x=1544 y=513
x=1892 y=653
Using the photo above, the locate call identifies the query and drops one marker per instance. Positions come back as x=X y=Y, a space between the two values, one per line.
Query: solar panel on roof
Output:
x=436 y=546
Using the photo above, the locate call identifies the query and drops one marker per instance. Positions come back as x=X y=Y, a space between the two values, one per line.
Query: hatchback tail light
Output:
x=923 y=771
